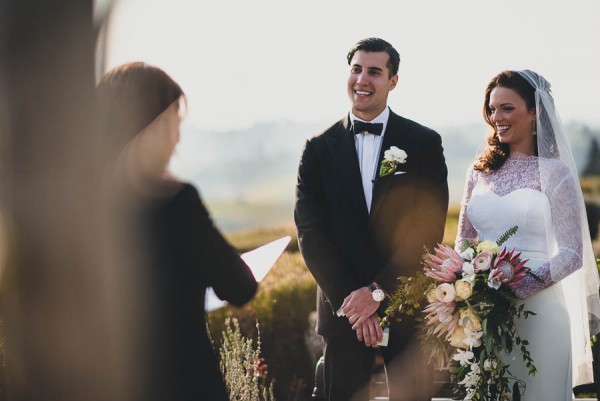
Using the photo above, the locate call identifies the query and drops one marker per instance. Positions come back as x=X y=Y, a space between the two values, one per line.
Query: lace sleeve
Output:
x=567 y=228
x=466 y=231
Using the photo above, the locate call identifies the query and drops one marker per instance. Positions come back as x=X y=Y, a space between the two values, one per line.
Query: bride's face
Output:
x=513 y=122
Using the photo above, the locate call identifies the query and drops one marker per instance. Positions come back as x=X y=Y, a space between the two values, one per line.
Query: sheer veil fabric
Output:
x=558 y=172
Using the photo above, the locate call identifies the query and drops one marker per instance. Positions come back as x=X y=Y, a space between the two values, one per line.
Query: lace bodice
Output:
x=540 y=204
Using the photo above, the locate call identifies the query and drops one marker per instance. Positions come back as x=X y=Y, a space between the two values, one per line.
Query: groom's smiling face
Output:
x=369 y=83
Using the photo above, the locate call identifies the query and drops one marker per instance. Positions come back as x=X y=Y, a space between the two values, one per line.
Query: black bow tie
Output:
x=371 y=128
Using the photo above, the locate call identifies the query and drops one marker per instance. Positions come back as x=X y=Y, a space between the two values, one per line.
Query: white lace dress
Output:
x=548 y=235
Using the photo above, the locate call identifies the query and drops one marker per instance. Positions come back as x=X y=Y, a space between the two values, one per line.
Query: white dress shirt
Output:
x=368 y=147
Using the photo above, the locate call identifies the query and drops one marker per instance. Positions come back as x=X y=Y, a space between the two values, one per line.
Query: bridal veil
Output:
x=580 y=288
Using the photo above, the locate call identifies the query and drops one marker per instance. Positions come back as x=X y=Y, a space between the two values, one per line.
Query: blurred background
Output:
x=260 y=76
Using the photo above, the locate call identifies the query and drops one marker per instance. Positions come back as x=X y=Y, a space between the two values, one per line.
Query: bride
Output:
x=526 y=177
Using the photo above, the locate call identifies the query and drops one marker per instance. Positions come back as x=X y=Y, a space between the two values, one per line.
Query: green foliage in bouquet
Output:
x=504 y=237
x=409 y=297
x=498 y=311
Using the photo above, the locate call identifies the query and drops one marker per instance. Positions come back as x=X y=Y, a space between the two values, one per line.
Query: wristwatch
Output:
x=376 y=292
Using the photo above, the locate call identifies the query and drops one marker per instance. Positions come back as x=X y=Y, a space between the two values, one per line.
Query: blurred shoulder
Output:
x=186 y=192
x=172 y=192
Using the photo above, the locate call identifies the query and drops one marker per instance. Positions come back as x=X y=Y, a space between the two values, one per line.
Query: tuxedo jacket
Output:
x=184 y=253
x=344 y=246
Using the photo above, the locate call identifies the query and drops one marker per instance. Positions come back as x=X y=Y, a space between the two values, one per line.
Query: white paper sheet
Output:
x=260 y=261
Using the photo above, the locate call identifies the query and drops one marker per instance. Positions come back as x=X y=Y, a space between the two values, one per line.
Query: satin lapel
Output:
x=345 y=161
x=394 y=136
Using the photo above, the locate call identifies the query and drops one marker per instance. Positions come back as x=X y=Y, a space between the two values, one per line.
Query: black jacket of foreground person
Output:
x=185 y=254
x=346 y=248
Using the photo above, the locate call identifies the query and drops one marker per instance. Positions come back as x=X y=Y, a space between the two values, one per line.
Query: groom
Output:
x=359 y=229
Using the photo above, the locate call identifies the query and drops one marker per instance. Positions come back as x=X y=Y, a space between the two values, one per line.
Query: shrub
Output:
x=242 y=367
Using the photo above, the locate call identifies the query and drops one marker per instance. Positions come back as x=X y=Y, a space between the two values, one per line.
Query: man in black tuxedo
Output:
x=360 y=226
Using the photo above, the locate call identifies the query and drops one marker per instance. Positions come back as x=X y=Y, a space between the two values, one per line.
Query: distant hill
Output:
x=248 y=176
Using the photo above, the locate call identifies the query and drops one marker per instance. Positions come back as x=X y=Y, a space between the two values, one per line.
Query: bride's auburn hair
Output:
x=496 y=153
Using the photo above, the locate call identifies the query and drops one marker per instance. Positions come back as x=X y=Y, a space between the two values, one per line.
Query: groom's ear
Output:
x=393 y=81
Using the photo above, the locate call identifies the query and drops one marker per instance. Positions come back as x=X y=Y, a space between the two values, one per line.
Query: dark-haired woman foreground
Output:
x=180 y=252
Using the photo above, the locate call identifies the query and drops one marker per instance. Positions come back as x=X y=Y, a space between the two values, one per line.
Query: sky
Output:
x=242 y=62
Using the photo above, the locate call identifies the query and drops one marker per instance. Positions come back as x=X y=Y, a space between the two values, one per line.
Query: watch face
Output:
x=378 y=295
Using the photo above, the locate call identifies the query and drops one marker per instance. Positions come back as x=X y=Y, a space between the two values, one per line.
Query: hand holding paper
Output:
x=260 y=261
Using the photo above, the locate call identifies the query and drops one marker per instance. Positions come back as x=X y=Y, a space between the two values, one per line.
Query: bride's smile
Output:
x=513 y=121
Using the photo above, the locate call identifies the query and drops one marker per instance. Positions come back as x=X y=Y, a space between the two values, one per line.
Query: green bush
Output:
x=242 y=366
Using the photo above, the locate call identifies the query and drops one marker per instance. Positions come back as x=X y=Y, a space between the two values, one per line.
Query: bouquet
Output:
x=469 y=315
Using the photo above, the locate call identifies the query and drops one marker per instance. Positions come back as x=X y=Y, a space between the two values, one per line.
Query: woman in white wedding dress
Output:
x=526 y=177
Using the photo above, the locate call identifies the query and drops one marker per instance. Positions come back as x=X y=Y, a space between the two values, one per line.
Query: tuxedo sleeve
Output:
x=221 y=266
x=427 y=220
x=312 y=219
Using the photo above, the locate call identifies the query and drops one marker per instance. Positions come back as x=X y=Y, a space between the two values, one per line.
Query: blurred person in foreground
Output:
x=178 y=249
x=526 y=177
x=371 y=192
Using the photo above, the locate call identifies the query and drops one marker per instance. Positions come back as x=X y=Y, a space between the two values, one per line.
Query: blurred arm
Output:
x=221 y=266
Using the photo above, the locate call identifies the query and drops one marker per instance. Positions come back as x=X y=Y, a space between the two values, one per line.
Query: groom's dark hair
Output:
x=377 y=45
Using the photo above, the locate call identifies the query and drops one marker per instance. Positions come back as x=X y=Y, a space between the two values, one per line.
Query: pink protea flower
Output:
x=444 y=264
x=508 y=268
x=442 y=318
x=504 y=271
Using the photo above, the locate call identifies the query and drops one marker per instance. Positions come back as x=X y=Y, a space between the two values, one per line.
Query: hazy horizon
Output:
x=248 y=176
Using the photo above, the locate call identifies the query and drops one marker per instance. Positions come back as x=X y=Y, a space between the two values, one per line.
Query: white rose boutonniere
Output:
x=391 y=159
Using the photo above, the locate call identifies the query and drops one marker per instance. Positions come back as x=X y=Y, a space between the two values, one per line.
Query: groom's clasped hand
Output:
x=361 y=310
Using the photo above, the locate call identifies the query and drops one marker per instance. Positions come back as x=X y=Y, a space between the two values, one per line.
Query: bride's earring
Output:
x=534 y=133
